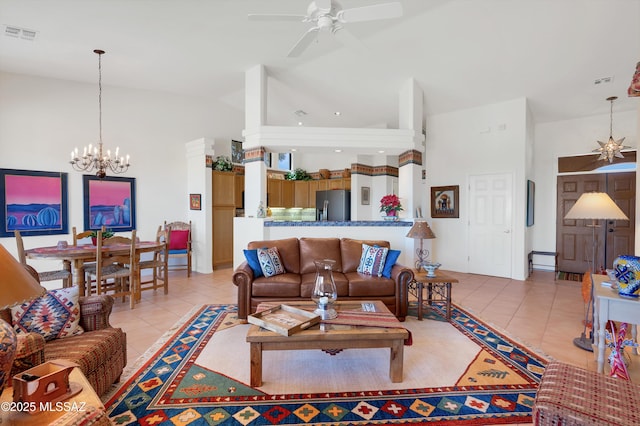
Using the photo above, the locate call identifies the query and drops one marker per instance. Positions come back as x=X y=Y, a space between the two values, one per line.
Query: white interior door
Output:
x=490 y=224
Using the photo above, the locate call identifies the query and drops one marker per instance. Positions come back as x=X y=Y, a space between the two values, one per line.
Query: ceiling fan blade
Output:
x=371 y=13
x=258 y=17
x=304 y=42
x=348 y=39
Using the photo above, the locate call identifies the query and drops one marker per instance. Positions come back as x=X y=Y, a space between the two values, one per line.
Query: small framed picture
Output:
x=195 y=201
x=445 y=201
x=365 y=192
x=237 y=154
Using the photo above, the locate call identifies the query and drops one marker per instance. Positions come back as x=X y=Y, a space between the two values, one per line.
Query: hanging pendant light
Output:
x=94 y=157
x=612 y=147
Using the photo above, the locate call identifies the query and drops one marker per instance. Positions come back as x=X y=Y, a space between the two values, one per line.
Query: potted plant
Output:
x=223 y=164
x=105 y=234
x=390 y=204
x=298 y=174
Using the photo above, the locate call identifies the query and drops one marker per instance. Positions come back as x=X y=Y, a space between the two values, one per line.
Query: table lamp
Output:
x=421 y=230
x=17 y=286
x=594 y=206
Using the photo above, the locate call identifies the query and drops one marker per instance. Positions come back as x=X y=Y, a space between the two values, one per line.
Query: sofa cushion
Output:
x=283 y=285
x=252 y=259
x=351 y=251
x=392 y=258
x=55 y=315
x=288 y=248
x=270 y=261
x=368 y=286
x=372 y=260
x=312 y=249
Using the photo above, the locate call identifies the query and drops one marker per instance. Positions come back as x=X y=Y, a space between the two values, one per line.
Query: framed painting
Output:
x=195 y=201
x=33 y=202
x=531 y=201
x=365 y=198
x=237 y=154
x=110 y=202
x=445 y=201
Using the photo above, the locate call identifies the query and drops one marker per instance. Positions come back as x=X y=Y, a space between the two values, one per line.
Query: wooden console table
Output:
x=438 y=288
x=610 y=306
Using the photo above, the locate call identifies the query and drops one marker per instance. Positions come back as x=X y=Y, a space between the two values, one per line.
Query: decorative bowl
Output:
x=431 y=268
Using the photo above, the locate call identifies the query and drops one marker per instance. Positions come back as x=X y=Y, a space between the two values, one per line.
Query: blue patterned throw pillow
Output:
x=372 y=260
x=54 y=315
x=270 y=262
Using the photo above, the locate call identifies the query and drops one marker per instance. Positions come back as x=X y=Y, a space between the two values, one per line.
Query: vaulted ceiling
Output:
x=463 y=53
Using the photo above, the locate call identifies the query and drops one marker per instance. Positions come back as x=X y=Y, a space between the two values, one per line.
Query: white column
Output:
x=199 y=182
x=410 y=116
x=255 y=171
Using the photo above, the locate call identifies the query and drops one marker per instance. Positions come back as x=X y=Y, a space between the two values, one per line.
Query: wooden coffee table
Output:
x=328 y=337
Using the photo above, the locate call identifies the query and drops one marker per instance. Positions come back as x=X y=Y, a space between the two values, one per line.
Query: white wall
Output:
x=42 y=120
x=489 y=139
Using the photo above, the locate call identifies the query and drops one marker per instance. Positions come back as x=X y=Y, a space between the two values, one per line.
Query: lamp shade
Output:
x=16 y=283
x=595 y=205
x=421 y=230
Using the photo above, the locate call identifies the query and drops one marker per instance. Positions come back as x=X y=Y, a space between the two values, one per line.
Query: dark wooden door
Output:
x=574 y=238
x=620 y=234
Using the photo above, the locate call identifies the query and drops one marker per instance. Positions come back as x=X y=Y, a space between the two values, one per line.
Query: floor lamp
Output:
x=594 y=206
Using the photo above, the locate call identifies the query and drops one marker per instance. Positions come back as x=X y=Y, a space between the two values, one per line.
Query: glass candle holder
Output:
x=324 y=291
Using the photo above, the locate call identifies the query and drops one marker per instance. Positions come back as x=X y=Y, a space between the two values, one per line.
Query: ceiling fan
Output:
x=328 y=15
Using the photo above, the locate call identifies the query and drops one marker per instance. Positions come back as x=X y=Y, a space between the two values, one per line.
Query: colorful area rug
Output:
x=497 y=387
x=569 y=276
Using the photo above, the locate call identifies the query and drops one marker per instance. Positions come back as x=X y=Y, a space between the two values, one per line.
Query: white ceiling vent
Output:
x=602 y=80
x=17 y=32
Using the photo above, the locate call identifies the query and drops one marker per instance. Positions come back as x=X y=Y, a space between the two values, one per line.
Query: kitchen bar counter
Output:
x=246 y=229
x=269 y=223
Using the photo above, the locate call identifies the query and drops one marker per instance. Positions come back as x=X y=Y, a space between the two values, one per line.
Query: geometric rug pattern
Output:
x=169 y=389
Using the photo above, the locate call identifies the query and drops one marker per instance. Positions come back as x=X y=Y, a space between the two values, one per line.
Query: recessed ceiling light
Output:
x=338 y=150
x=381 y=151
x=337 y=113
x=293 y=150
x=299 y=123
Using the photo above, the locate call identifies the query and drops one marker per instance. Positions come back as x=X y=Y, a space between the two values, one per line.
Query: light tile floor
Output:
x=544 y=313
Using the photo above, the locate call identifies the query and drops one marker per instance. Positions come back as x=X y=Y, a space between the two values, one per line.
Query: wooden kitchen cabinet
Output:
x=274 y=193
x=342 y=183
x=223 y=236
x=223 y=210
x=288 y=194
x=223 y=188
x=239 y=190
x=301 y=193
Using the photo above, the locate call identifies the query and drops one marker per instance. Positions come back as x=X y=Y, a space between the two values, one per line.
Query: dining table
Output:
x=76 y=256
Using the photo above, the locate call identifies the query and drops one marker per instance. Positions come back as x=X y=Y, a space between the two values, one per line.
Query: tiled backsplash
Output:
x=295 y=213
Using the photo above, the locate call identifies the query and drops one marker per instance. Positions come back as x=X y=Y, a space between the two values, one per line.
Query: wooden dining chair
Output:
x=158 y=264
x=179 y=235
x=63 y=274
x=115 y=274
x=81 y=236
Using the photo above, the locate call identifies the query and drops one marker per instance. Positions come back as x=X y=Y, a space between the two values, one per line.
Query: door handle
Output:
x=610 y=229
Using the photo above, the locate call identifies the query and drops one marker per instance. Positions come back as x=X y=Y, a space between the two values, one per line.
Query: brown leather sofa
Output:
x=298 y=256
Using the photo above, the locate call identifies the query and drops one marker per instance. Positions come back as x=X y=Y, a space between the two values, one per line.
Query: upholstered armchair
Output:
x=100 y=351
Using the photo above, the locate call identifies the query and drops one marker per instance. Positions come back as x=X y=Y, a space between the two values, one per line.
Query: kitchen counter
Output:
x=246 y=229
x=270 y=223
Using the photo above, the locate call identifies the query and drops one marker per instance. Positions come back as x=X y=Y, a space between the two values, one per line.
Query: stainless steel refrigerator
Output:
x=334 y=205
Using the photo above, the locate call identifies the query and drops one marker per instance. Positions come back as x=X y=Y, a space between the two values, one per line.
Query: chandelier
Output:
x=612 y=147
x=93 y=157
